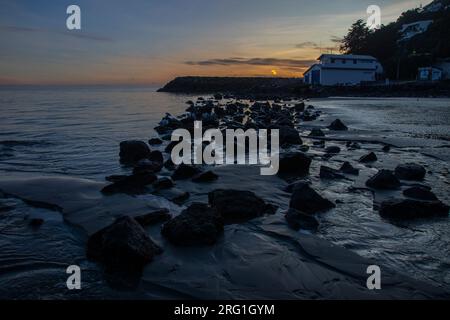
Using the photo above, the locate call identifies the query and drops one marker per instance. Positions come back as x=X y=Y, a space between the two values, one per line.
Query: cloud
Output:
x=336 y=39
x=291 y=63
x=306 y=44
x=76 y=33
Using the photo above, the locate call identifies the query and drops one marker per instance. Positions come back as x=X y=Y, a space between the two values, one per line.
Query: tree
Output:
x=356 y=40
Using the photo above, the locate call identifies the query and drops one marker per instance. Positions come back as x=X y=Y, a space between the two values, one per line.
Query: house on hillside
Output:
x=429 y=74
x=343 y=69
x=444 y=65
x=412 y=29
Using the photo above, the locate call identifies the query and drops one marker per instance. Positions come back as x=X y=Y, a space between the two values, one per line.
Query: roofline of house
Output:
x=357 y=55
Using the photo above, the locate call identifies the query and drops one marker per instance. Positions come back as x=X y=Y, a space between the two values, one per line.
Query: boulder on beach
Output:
x=289 y=136
x=419 y=192
x=316 y=132
x=238 y=205
x=298 y=220
x=155 y=141
x=133 y=184
x=291 y=186
x=337 y=125
x=122 y=246
x=184 y=171
x=410 y=171
x=348 y=168
x=36 y=222
x=307 y=200
x=353 y=145
x=157 y=216
x=370 y=157
x=147 y=166
x=132 y=151
x=156 y=156
x=163 y=183
x=410 y=209
x=207 y=176
x=115 y=177
x=332 y=149
x=384 y=179
x=294 y=163
x=299 y=107
x=169 y=165
x=329 y=173
x=170 y=146
x=198 y=224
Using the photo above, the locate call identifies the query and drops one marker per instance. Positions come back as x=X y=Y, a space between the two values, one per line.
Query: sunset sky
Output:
x=150 y=42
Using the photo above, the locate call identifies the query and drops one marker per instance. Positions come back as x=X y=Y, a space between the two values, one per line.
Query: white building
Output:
x=430 y=74
x=444 y=65
x=343 y=69
x=412 y=29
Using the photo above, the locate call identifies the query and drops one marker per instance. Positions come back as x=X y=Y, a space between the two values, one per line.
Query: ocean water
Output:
x=76 y=131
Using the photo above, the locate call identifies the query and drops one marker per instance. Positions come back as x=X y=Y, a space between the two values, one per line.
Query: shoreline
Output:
x=278 y=88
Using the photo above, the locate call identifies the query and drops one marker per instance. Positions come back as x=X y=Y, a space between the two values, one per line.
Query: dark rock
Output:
x=294 y=163
x=155 y=141
x=329 y=173
x=299 y=220
x=115 y=178
x=299 y=107
x=370 y=157
x=207 y=176
x=147 y=166
x=198 y=224
x=163 y=183
x=238 y=205
x=135 y=183
x=319 y=144
x=154 y=217
x=156 y=156
x=316 y=132
x=348 y=168
x=180 y=197
x=410 y=171
x=337 y=125
x=353 y=145
x=410 y=209
x=384 y=179
x=420 y=193
x=132 y=151
x=5 y=208
x=184 y=171
x=386 y=148
x=332 y=149
x=289 y=136
x=170 y=146
x=290 y=187
x=122 y=246
x=36 y=222
x=307 y=200
x=169 y=165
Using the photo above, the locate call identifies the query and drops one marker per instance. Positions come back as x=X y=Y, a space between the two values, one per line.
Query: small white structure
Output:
x=444 y=65
x=430 y=74
x=343 y=69
x=412 y=29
